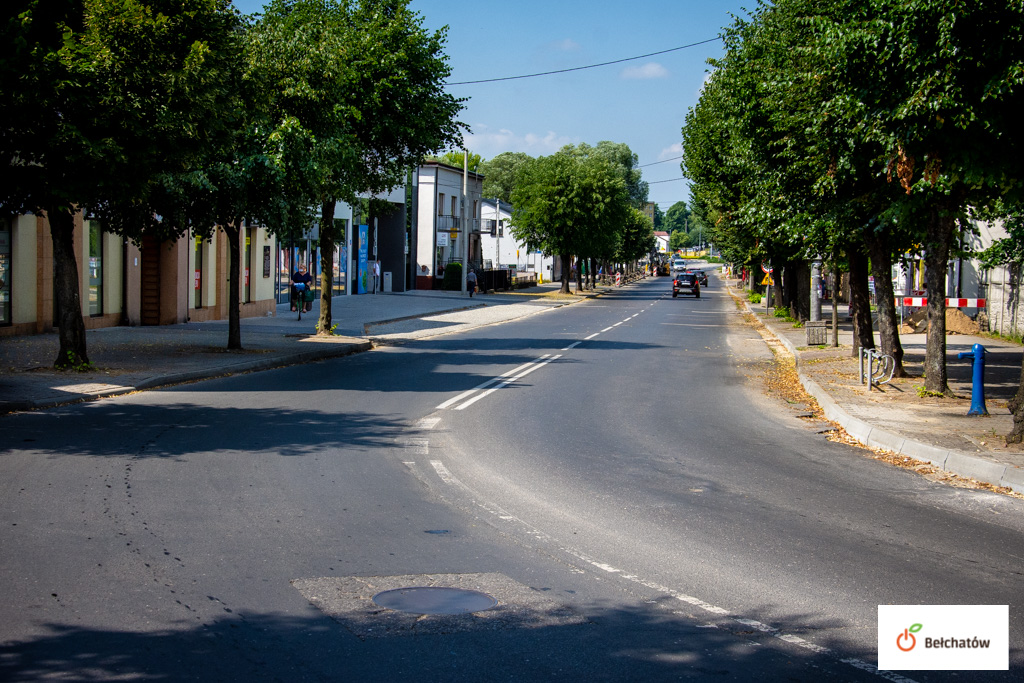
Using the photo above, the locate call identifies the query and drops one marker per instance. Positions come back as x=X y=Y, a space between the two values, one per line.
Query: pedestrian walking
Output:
x=471 y=282
x=376 y=274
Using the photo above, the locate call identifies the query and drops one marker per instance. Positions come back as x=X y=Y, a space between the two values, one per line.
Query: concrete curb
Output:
x=955 y=462
x=367 y=326
x=328 y=351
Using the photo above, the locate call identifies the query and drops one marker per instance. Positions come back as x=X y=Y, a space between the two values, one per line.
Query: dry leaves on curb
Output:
x=781 y=380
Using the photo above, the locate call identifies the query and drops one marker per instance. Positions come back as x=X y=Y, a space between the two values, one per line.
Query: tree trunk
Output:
x=67 y=285
x=325 y=324
x=566 y=260
x=802 y=304
x=860 y=301
x=232 y=230
x=888 y=322
x=1016 y=406
x=939 y=233
x=835 y=310
x=789 y=286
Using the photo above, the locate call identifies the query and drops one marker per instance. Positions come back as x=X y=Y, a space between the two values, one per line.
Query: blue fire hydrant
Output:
x=978 y=386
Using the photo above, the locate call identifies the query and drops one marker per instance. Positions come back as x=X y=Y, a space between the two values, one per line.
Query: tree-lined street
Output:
x=631 y=490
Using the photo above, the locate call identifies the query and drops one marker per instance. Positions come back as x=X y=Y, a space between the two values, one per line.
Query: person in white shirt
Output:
x=376 y=274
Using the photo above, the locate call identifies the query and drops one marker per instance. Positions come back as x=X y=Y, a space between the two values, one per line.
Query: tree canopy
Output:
x=103 y=99
x=571 y=205
x=854 y=126
x=357 y=98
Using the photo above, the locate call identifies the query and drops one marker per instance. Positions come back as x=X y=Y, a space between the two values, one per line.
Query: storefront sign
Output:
x=364 y=259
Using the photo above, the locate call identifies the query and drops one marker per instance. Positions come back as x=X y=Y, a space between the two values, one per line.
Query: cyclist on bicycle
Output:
x=301 y=277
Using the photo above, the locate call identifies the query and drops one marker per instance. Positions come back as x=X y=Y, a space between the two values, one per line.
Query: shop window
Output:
x=95 y=268
x=5 y=272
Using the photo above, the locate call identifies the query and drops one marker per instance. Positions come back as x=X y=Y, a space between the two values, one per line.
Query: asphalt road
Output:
x=610 y=472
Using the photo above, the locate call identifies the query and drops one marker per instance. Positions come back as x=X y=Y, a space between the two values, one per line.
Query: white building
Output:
x=444 y=221
x=500 y=248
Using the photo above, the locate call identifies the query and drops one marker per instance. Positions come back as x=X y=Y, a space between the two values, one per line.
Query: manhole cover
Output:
x=435 y=600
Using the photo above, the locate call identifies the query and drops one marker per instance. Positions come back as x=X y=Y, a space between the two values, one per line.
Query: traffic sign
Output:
x=767 y=279
x=766 y=268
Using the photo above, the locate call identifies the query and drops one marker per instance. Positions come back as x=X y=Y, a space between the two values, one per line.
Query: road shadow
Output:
x=654 y=642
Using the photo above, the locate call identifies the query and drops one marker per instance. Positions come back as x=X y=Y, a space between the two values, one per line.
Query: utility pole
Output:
x=465 y=227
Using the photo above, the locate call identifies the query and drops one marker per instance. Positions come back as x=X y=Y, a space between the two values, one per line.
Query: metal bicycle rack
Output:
x=874 y=366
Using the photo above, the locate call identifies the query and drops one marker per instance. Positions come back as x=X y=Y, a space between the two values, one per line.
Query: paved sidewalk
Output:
x=133 y=358
x=936 y=430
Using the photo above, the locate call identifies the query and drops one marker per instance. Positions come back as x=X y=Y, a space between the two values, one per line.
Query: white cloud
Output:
x=489 y=143
x=670 y=152
x=645 y=72
x=567 y=45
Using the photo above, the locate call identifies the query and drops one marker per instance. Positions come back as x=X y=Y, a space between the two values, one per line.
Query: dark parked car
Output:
x=702 y=278
x=686 y=283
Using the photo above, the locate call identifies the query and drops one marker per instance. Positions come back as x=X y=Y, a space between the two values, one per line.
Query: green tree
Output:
x=456 y=158
x=501 y=174
x=636 y=236
x=359 y=99
x=659 y=218
x=620 y=157
x=680 y=239
x=677 y=218
x=101 y=99
x=568 y=206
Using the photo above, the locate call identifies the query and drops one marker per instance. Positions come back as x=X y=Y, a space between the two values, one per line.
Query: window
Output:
x=440 y=204
x=454 y=213
x=246 y=265
x=5 y=272
x=95 y=268
x=197 y=284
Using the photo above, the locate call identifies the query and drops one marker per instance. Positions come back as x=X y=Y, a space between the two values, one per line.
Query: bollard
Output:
x=978 y=385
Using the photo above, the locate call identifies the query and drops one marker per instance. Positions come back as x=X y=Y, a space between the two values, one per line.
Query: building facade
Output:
x=151 y=283
x=447 y=224
x=499 y=247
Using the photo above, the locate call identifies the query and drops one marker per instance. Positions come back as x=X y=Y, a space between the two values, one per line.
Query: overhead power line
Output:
x=589 y=66
x=670 y=180
x=663 y=161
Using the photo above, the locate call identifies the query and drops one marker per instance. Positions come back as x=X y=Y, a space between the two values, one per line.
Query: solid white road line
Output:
x=506 y=383
x=486 y=384
x=572 y=346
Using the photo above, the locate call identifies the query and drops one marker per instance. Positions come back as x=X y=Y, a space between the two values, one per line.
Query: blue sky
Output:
x=642 y=103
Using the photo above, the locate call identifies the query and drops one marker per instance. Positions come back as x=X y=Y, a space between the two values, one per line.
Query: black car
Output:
x=686 y=283
x=702 y=278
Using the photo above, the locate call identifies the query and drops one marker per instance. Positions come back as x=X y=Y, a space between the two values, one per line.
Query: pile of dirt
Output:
x=957 y=322
x=915 y=324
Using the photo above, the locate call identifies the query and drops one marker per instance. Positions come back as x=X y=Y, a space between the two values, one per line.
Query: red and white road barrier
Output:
x=950 y=303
